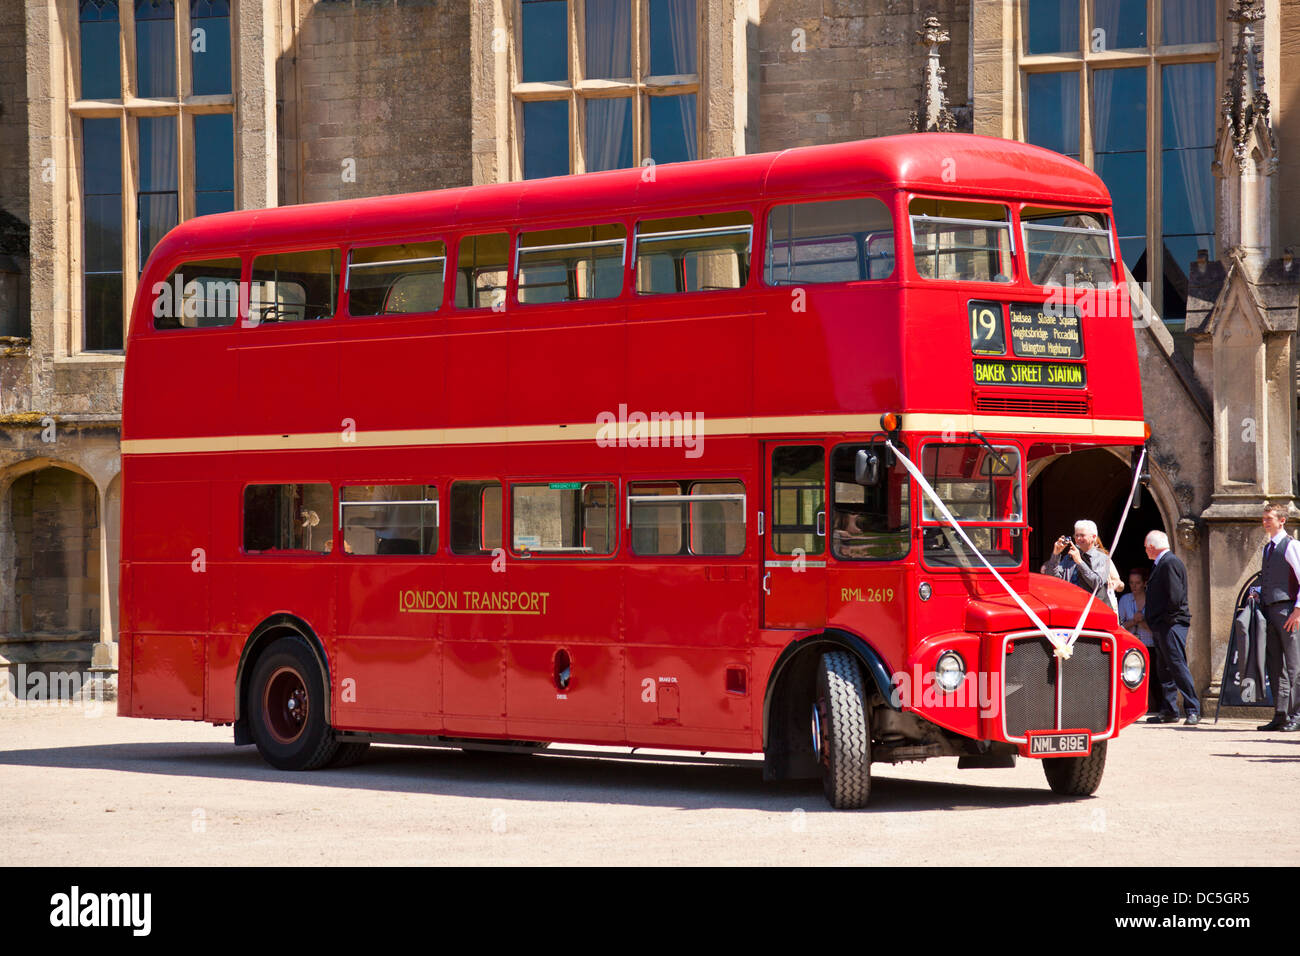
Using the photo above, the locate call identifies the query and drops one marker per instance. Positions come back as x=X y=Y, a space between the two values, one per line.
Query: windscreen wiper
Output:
x=1002 y=461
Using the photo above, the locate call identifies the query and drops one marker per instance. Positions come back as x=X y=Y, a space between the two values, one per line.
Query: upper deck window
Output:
x=693 y=253
x=565 y=265
x=843 y=240
x=482 y=264
x=1060 y=244
x=396 y=280
x=294 y=286
x=198 y=295
x=961 y=241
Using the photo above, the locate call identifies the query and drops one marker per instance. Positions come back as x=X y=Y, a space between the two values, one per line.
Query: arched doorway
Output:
x=1090 y=484
x=1093 y=484
x=52 y=622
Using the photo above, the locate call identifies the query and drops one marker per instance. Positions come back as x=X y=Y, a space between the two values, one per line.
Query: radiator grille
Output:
x=1031 y=406
x=1031 y=673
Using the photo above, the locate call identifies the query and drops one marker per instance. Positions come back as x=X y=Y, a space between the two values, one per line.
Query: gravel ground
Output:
x=84 y=788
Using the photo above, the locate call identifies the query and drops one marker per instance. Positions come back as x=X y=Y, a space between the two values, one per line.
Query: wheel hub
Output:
x=286 y=705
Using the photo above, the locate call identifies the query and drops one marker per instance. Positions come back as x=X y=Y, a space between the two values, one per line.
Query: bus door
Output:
x=793 y=576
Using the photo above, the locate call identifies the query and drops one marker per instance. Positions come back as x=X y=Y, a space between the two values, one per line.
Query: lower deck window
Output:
x=475 y=517
x=288 y=518
x=390 y=519
x=681 y=518
x=563 y=517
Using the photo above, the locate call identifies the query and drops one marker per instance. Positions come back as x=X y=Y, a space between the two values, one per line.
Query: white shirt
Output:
x=1292 y=557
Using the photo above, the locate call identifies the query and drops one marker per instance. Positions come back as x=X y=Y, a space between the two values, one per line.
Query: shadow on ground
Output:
x=537 y=777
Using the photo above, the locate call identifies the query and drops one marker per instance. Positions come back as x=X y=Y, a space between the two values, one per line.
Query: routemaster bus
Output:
x=726 y=455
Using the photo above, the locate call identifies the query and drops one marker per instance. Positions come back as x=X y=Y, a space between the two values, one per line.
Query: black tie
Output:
x=1268 y=551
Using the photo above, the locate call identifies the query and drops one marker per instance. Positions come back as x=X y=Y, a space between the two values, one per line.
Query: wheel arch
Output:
x=274 y=627
x=787 y=754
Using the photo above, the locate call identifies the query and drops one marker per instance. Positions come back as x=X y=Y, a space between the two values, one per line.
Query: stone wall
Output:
x=14 y=216
x=860 y=74
x=383 y=84
x=1286 y=117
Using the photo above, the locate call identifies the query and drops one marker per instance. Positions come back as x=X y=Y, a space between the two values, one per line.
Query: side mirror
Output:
x=866 y=468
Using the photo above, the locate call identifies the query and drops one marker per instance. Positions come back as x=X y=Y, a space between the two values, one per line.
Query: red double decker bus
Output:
x=727 y=455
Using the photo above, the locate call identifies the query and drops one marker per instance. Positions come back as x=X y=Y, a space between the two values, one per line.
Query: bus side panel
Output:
x=689 y=623
x=575 y=607
x=221 y=663
x=167 y=676
x=473 y=655
x=386 y=645
x=170 y=542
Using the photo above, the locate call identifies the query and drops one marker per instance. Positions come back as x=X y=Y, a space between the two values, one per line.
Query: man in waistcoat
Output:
x=1278 y=587
x=1168 y=615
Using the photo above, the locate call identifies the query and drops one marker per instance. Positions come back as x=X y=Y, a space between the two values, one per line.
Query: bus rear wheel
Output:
x=841 y=735
x=286 y=700
x=1076 y=776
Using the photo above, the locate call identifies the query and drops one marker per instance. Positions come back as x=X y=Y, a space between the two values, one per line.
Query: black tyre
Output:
x=841 y=735
x=1076 y=776
x=349 y=753
x=286 y=706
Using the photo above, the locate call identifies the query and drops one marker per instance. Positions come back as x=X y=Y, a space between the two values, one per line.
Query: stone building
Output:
x=119 y=118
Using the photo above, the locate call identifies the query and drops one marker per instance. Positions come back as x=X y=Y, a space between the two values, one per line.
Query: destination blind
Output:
x=1041 y=374
x=1040 y=333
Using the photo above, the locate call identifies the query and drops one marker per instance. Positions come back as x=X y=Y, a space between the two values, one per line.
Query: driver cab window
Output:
x=871 y=518
x=980 y=485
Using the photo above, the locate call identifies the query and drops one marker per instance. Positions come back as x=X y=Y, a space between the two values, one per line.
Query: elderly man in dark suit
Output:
x=1168 y=617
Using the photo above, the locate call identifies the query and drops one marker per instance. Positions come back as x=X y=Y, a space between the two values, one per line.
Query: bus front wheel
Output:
x=841 y=735
x=286 y=701
x=1076 y=776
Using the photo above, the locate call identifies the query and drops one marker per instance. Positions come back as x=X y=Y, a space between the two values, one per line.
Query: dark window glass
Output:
x=396 y=280
x=101 y=141
x=565 y=518
x=210 y=46
x=838 y=241
x=1187 y=21
x=1052 y=111
x=101 y=73
x=870 y=521
x=672 y=128
x=155 y=48
x=198 y=295
x=214 y=163
x=294 y=286
x=546 y=138
x=1053 y=26
x=798 y=497
x=1188 y=184
x=157 y=199
x=545 y=30
x=390 y=519
x=475 y=517
x=288 y=518
x=608 y=31
x=1119 y=105
x=1118 y=24
x=672 y=37
x=609 y=133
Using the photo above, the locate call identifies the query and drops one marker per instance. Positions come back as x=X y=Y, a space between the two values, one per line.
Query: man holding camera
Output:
x=1086 y=566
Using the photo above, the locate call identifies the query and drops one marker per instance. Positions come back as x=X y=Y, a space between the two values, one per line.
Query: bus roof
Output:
x=952 y=163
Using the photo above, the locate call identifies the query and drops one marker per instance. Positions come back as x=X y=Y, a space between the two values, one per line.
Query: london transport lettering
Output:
x=999 y=372
x=472 y=602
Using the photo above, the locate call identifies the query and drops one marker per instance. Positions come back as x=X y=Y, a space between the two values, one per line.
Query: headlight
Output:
x=1134 y=668
x=949 y=671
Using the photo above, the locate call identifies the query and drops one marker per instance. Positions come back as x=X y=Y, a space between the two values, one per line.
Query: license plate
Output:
x=1070 y=743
